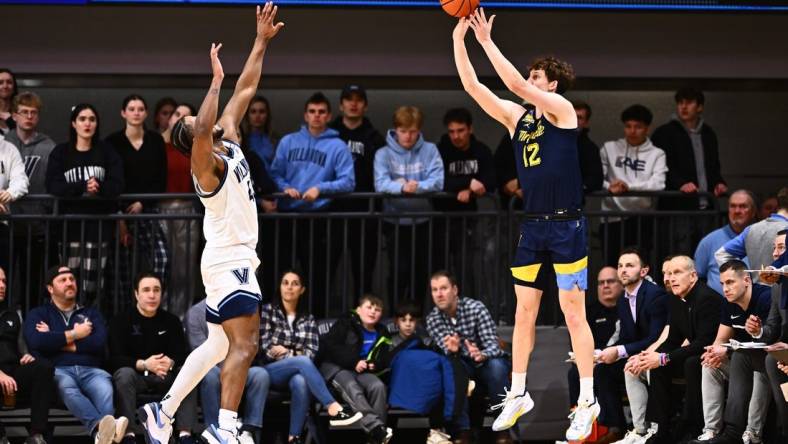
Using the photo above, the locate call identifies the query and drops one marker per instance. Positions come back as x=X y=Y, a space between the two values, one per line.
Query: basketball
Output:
x=459 y=8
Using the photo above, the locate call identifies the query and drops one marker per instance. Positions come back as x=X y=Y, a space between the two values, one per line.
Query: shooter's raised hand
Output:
x=482 y=27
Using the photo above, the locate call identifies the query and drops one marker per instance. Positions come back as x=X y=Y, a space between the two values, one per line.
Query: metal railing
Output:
x=343 y=253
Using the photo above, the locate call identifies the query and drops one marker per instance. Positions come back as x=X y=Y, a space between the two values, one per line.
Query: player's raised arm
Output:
x=552 y=103
x=504 y=111
x=246 y=87
x=203 y=162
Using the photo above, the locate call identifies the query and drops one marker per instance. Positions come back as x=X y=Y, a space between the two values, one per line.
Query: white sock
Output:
x=518 y=384
x=228 y=421
x=198 y=363
x=586 y=391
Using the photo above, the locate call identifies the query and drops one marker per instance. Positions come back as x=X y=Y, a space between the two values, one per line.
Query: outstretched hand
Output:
x=266 y=29
x=461 y=29
x=216 y=64
x=482 y=27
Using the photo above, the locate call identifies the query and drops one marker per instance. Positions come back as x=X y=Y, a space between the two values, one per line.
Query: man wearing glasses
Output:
x=34 y=148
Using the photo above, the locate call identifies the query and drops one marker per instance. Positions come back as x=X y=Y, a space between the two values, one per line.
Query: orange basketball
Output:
x=459 y=8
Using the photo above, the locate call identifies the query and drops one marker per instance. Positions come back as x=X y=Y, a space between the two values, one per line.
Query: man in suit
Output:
x=642 y=314
x=694 y=314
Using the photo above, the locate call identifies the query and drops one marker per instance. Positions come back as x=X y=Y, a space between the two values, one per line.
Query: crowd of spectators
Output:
x=646 y=335
x=333 y=153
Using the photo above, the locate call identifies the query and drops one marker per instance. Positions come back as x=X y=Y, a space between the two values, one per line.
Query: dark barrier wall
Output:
x=121 y=39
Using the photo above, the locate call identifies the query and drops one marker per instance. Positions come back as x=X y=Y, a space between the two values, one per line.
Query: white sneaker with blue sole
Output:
x=211 y=435
x=158 y=427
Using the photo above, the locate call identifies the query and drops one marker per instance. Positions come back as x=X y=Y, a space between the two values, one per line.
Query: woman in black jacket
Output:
x=144 y=158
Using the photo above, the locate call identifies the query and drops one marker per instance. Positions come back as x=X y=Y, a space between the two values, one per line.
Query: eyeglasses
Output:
x=28 y=112
x=604 y=282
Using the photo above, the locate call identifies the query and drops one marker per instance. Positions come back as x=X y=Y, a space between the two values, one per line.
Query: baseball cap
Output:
x=56 y=271
x=349 y=90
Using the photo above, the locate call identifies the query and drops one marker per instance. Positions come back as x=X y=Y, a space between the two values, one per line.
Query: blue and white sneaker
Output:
x=211 y=435
x=157 y=425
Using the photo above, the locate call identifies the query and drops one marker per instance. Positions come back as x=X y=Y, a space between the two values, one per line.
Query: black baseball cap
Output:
x=349 y=90
x=56 y=271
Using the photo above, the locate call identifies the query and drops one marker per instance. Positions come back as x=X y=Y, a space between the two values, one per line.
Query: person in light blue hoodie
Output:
x=407 y=165
x=310 y=164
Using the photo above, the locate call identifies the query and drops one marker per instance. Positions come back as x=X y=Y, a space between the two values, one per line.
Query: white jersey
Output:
x=230 y=224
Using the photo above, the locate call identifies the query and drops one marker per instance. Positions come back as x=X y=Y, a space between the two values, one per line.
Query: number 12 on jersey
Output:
x=531 y=155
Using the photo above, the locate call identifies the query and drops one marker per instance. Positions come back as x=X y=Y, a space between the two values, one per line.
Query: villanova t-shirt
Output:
x=734 y=315
x=369 y=341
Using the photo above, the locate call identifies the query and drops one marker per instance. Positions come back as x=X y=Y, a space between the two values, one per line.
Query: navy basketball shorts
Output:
x=562 y=244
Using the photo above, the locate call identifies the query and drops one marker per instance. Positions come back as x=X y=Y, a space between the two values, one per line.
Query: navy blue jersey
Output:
x=547 y=165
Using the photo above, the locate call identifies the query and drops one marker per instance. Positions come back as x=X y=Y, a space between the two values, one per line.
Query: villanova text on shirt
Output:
x=307 y=155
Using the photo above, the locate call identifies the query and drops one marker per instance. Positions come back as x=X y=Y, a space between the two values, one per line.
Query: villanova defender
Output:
x=229 y=260
x=554 y=230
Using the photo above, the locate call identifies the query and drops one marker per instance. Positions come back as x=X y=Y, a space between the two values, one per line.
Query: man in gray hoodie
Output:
x=407 y=165
x=34 y=148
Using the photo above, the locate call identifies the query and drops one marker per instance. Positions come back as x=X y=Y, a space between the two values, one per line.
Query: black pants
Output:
x=776 y=378
x=662 y=399
x=36 y=386
x=453 y=244
x=608 y=384
x=362 y=245
x=5 y=246
x=628 y=232
x=129 y=383
x=271 y=267
x=31 y=262
x=307 y=243
x=409 y=271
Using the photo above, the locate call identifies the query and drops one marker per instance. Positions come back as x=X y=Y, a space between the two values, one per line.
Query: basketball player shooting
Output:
x=553 y=233
x=229 y=260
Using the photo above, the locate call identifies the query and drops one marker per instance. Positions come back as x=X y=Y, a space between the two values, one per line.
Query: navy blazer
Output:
x=651 y=310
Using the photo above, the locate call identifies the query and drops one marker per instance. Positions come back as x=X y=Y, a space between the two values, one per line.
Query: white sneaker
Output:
x=583 y=418
x=632 y=437
x=246 y=437
x=750 y=437
x=121 y=422
x=707 y=435
x=389 y=435
x=438 y=437
x=105 y=430
x=213 y=435
x=513 y=407
x=158 y=427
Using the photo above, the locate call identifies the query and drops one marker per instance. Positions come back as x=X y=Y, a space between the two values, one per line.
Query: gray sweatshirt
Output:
x=35 y=155
x=756 y=242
